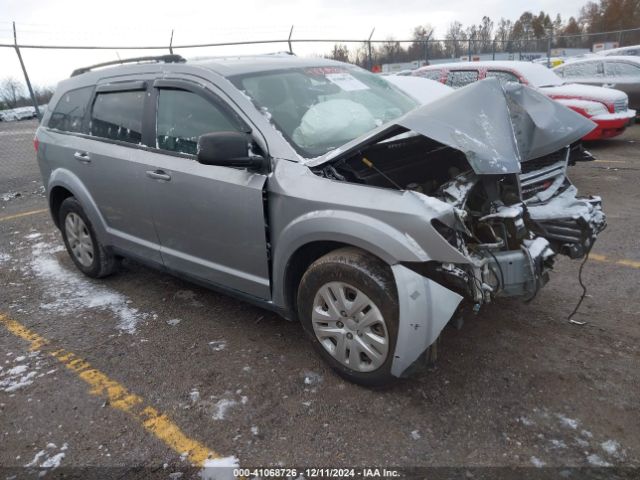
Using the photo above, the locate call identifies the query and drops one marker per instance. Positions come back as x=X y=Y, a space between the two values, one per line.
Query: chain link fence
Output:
x=370 y=53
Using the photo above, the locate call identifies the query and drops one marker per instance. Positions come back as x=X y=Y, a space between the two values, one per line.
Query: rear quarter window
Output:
x=502 y=76
x=622 y=69
x=431 y=74
x=68 y=114
x=118 y=116
x=461 y=78
x=581 y=70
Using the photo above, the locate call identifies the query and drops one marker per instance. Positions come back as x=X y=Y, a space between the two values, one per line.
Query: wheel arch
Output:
x=57 y=195
x=313 y=235
x=64 y=184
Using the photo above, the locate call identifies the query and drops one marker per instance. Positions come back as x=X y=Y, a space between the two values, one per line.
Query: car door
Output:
x=209 y=219
x=624 y=76
x=111 y=164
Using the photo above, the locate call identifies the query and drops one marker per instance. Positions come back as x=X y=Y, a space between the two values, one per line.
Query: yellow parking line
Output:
x=623 y=262
x=23 y=214
x=117 y=395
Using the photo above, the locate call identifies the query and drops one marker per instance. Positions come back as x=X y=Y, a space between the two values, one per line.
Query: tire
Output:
x=355 y=330
x=88 y=254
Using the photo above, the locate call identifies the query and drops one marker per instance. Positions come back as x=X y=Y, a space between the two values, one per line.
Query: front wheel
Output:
x=348 y=305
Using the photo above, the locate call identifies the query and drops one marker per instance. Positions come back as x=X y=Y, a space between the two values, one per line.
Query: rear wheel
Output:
x=348 y=305
x=88 y=254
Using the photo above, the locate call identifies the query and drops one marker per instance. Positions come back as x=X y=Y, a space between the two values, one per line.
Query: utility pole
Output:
x=24 y=71
x=369 y=49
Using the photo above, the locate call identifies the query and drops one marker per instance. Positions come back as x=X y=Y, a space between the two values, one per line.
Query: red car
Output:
x=607 y=107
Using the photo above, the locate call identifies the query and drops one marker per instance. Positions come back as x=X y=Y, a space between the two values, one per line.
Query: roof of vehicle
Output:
x=610 y=58
x=239 y=65
x=614 y=51
x=226 y=66
x=535 y=73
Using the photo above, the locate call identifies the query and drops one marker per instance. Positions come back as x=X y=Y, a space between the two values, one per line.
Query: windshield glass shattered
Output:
x=320 y=108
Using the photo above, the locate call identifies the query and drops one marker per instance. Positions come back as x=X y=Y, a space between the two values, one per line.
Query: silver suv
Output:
x=318 y=190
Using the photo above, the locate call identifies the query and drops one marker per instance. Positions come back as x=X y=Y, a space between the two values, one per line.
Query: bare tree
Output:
x=455 y=37
x=11 y=92
x=340 y=52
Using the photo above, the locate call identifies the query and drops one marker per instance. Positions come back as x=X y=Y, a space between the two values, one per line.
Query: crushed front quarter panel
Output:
x=425 y=309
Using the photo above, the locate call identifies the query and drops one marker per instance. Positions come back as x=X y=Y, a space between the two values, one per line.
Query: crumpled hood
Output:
x=495 y=125
x=584 y=92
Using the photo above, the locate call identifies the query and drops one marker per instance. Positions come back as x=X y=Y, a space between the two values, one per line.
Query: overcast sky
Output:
x=130 y=22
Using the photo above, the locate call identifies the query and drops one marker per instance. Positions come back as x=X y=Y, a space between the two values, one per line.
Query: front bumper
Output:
x=570 y=223
x=610 y=124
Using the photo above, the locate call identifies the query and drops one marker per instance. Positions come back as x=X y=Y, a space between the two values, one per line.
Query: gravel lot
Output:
x=517 y=386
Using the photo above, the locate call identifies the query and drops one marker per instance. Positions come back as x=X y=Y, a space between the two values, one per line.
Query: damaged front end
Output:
x=496 y=155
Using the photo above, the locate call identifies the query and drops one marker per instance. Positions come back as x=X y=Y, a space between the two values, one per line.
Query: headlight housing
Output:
x=591 y=108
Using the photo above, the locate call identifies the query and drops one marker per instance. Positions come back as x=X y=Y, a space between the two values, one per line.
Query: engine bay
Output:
x=511 y=250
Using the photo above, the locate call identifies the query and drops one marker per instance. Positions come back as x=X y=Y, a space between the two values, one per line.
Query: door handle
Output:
x=158 y=175
x=82 y=157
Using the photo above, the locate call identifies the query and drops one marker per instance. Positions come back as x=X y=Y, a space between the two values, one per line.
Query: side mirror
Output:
x=228 y=149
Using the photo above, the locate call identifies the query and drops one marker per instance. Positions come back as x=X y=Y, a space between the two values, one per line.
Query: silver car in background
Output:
x=318 y=190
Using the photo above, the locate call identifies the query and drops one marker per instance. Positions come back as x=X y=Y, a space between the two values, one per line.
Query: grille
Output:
x=621 y=105
x=538 y=175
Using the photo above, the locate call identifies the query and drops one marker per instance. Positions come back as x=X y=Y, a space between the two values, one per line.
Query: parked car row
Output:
x=20 y=113
x=607 y=107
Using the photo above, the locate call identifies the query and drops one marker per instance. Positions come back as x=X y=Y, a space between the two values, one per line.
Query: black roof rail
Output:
x=158 y=58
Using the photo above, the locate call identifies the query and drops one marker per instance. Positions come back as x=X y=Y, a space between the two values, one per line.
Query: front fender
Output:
x=425 y=309
x=355 y=229
x=61 y=177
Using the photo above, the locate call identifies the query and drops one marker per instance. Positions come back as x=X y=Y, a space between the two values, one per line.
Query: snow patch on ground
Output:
x=20 y=374
x=536 y=462
x=611 y=447
x=69 y=291
x=596 y=461
x=16 y=378
x=219 y=468
x=217 y=345
x=4 y=257
x=415 y=434
x=567 y=422
x=5 y=197
x=194 y=394
x=33 y=236
x=47 y=458
x=173 y=322
x=526 y=421
x=222 y=407
x=312 y=378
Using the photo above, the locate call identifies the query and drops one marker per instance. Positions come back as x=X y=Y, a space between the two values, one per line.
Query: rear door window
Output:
x=68 y=114
x=118 y=116
x=460 y=78
x=184 y=116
